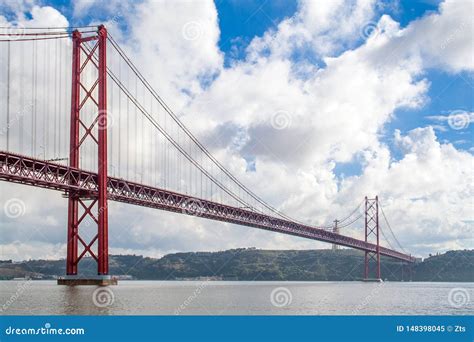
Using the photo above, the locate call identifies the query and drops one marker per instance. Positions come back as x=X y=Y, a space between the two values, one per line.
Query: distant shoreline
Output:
x=253 y=281
x=252 y=264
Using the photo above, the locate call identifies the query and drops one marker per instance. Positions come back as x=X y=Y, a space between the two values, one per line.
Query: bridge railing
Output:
x=30 y=171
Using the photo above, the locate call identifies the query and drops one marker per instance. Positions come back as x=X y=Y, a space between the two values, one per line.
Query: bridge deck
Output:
x=30 y=171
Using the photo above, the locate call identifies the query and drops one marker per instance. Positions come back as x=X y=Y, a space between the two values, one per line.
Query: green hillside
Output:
x=254 y=264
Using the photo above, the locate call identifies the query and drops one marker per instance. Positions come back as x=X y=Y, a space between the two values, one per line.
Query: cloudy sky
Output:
x=315 y=104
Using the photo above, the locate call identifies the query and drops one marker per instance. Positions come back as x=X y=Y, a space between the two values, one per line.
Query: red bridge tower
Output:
x=82 y=204
x=372 y=229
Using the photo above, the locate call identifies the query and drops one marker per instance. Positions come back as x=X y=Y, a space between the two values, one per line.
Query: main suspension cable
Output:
x=167 y=136
x=189 y=134
x=390 y=228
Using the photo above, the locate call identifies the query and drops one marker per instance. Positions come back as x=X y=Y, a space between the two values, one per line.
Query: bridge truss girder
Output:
x=39 y=173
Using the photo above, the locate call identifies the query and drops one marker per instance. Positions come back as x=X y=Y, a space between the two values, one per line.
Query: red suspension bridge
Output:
x=119 y=141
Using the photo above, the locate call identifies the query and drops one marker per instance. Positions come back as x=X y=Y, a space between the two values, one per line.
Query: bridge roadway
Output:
x=39 y=173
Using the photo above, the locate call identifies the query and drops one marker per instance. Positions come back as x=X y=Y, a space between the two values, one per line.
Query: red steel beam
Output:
x=103 y=248
x=30 y=171
x=73 y=202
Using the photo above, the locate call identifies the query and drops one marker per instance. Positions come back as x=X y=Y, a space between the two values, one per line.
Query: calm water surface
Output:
x=237 y=298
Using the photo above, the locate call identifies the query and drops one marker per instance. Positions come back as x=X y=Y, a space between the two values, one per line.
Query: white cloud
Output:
x=176 y=43
x=446 y=38
x=428 y=193
x=45 y=16
x=81 y=6
x=440 y=40
x=19 y=250
x=322 y=27
x=18 y=7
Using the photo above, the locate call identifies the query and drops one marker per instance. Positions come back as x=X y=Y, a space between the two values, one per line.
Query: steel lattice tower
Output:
x=372 y=229
x=96 y=95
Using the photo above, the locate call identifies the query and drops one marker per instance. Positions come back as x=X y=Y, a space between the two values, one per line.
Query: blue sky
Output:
x=241 y=21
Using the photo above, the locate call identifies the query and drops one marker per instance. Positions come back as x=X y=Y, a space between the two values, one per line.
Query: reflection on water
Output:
x=237 y=298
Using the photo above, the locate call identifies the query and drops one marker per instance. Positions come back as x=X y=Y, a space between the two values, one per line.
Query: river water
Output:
x=237 y=298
